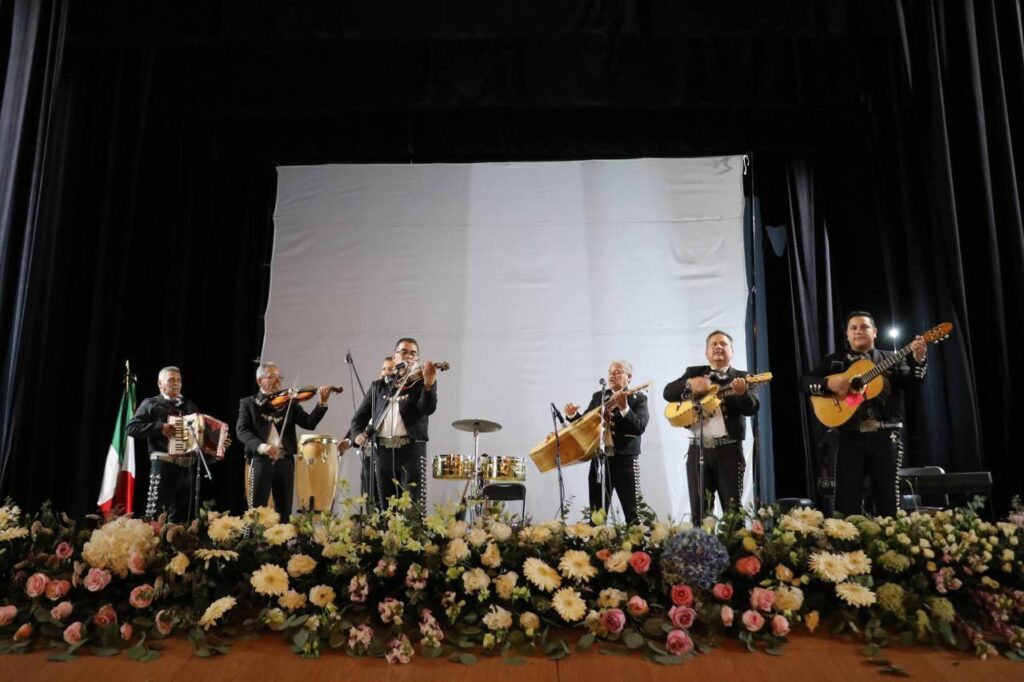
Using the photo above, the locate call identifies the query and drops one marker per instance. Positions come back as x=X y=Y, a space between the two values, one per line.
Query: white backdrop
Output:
x=527 y=277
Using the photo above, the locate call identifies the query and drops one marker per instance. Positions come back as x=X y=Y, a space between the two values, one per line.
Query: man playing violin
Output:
x=870 y=441
x=398 y=405
x=722 y=432
x=169 y=477
x=268 y=433
x=626 y=420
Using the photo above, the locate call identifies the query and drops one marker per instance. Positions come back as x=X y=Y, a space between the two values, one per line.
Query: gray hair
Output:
x=625 y=364
x=167 y=370
x=264 y=369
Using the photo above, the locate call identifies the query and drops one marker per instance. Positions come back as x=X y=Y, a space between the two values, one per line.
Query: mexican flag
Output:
x=118 y=489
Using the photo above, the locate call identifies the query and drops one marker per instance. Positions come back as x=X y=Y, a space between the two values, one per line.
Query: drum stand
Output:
x=474 y=486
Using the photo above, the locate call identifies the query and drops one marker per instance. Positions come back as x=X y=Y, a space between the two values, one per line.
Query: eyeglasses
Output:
x=407 y=351
x=614 y=372
x=271 y=377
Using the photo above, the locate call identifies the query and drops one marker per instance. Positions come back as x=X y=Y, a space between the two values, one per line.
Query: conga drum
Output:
x=316 y=471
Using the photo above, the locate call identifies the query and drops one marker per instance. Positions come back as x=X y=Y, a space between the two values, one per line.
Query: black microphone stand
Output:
x=200 y=468
x=700 y=461
x=602 y=457
x=558 y=466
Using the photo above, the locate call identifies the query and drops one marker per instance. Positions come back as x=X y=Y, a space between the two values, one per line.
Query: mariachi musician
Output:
x=399 y=404
x=723 y=432
x=268 y=432
x=626 y=418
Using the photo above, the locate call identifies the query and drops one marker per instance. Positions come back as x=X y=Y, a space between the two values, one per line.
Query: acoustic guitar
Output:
x=866 y=382
x=683 y=414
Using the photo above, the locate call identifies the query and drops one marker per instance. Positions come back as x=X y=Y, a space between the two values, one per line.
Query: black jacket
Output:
x=415 y=404
x=887 y=405
x=626 y=430
x=255 y=415
x=734 y=407
x=150 y=417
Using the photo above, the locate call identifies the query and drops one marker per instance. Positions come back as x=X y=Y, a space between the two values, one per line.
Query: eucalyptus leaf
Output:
x=585 y=642
x=104 y=651
x=515 y=660
x=431 y=651
x=633 y=640
x=773 y=651
x=467 y=659
x=669 y=660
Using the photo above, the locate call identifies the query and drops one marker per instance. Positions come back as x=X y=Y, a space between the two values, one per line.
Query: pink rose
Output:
x=682 y=595
x=613 y=620
x=58 y=589
x=105 y=616
x=637 y=606
x=96 y=579
x=780 y=626
x=722 y=591
x=23 y=633
x=682 y=616
x=73 y=633
x=141 y=596
x=164 y=625
x=757 y=528
x=603 y=554
x=640 y=562
x=727 y=616
x=157 y=526
x=8 y=614
x=748 y=566
x=36 y=585
x=64 y=550
x=126 y=631
x=753 y=620
x=61 y=610
x=678 y=643
x=762 y=599
x=137 y=563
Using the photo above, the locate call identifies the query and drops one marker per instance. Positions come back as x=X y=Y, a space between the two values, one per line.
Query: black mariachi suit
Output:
x=169 y=483
x=623 y=468
x=724 y=465
x=406 y=464
x=255 y=416
x=877 y=453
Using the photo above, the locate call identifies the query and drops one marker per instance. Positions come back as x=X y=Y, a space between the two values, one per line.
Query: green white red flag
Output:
x=118 y=489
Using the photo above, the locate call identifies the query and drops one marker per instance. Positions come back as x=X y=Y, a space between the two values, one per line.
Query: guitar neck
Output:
x=886 y=364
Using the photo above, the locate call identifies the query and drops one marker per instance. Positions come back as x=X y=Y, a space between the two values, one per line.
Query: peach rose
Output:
x=141 y=596
x=762 y=599
x=682 y=616
x=748 y=566
x=682 y=595
x=23 y=633
x=7 y=614
x=678 y=643
x=73 y=633
x=637 y=606
x=96 y=579
x=727 y=616
x=36 y=585
x=126 y=631
x=753 y=620
x=603 y=554
x=757 y=528
x=640 y=562
x=780 y=626
x=137 y=563
x=57 y=589
x=61 y=610
x=64 y=551
x=722 y=591
x=105 y=616
x=163 y=623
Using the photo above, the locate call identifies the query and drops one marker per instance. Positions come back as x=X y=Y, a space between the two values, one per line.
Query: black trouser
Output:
x=170 y=490
x=621 y=474
x=877 y=454
x=273 y=476
x=401 y=469
x=723 y=474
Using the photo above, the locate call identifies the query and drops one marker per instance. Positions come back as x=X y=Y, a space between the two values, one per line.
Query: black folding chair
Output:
x=506 y=492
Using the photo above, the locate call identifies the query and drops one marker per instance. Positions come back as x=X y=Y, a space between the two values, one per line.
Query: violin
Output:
x=410 y=377
x=300 y=395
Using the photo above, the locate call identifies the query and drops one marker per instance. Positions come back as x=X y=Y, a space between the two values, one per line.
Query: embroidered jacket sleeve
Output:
x=246 y=428
x=308 y=420
x=148 y=420
x=362 y=416
x=636 y=418
x=813 y=383
x=677 y=390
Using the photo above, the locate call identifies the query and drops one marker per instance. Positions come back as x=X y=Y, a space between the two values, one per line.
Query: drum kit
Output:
x=316 y=470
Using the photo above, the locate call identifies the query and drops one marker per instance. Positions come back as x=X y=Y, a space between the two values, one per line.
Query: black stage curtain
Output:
x=137 y=222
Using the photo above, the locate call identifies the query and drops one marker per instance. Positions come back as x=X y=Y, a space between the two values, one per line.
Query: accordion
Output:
x=197 y=432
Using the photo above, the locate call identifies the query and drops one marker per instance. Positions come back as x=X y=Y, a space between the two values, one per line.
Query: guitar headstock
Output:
x=939 y=332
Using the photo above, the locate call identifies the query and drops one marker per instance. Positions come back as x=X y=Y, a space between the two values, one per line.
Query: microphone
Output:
x=400 y=369
x=554 y=411
x=348 y=357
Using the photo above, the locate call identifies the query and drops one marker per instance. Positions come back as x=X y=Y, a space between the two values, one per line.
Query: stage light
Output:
x=894 y=333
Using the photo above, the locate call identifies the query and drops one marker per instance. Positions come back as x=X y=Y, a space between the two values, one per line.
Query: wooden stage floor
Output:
x=269 y=658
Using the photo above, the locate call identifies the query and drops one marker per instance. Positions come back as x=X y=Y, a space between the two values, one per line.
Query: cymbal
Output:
x=477 y=425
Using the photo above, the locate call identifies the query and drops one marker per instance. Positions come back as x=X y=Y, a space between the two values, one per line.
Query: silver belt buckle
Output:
x=393 y=442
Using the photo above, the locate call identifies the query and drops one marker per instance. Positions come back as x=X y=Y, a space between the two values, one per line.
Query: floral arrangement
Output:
x=394 y=584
